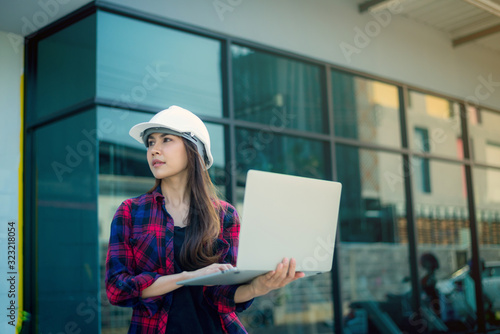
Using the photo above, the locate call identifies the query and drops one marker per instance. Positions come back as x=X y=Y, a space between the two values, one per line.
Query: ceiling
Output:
x=463 y=21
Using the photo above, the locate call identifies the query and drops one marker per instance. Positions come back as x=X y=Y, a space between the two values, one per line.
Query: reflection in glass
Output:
x=65 y=224
x=440 y=118
x=277 y=91
x=484 y=132
x=66 y=68
x=444 y=210
x=274 y=152
x=370 y=213
x=373 y=231
x=303 y=306
x=443 y=230
x=124 y=173
x=140 y=63
x=365 y=110
x=421 y=171
x=487 y=193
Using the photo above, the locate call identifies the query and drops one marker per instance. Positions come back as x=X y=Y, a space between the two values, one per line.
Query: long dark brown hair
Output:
x=203 y=222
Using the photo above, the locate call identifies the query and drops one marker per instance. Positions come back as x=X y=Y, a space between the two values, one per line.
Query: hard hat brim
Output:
x=138 y=130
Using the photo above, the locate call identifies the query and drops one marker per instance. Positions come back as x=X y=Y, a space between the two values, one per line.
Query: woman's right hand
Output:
x=168 y=283
x=211 y=269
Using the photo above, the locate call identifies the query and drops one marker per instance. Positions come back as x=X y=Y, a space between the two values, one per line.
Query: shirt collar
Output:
x=157 y=195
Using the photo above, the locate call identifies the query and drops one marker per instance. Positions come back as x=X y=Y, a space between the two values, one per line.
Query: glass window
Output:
x=487 y=193
x=140 y=63
x=305 y=305
x=484 y=132
x=373 y=231
x=124 y=173
x=365 y=110
x=277 y=91
x=274 y=152
x=378 y=180
x=444 y=245
x=65 y=171
x=65 y=70
x=440 y=118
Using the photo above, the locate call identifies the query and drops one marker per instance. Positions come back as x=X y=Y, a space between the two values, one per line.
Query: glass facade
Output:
x=277 y=91
x=444 y=243
x=365 y=110
x=65 y=72
x=487 y=198
x=146 y=65
x=65 y=231
x=404 y=248
x=434 y=125
x=485 y=149
x=485 y=144
x=373 y=231
x=271 y=151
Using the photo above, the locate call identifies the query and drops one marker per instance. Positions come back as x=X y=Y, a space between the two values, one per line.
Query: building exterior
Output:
x=370 y=93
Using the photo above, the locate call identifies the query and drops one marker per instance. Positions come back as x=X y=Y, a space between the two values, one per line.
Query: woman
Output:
x=179 y=230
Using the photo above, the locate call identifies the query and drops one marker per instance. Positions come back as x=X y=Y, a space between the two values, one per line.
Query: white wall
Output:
x=403 y=50
x=26 y=17
x=11 y=68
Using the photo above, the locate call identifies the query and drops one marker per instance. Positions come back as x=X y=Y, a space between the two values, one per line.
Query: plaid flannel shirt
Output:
x=141 y=249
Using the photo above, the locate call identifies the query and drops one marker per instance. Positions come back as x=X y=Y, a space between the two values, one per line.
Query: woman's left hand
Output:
x=284 y=274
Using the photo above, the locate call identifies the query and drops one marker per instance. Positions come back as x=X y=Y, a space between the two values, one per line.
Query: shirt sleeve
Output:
x=221 y=297
x=123 y=286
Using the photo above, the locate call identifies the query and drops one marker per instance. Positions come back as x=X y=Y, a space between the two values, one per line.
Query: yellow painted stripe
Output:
x=21 y=217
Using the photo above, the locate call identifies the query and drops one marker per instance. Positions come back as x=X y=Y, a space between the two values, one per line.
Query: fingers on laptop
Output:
x=225 y=267
x=215 y=267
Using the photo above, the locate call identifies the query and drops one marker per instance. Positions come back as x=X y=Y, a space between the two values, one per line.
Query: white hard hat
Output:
x=177 y=121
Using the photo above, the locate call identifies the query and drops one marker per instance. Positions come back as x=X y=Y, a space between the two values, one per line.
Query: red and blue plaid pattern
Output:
x=141 y=249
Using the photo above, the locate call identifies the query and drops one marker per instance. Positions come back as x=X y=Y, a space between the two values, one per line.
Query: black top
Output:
x=189 y=312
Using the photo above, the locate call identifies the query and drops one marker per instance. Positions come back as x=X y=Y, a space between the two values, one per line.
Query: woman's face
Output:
x=167 y=155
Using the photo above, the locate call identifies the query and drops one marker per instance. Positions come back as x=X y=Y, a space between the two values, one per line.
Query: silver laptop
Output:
x=283 y=216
